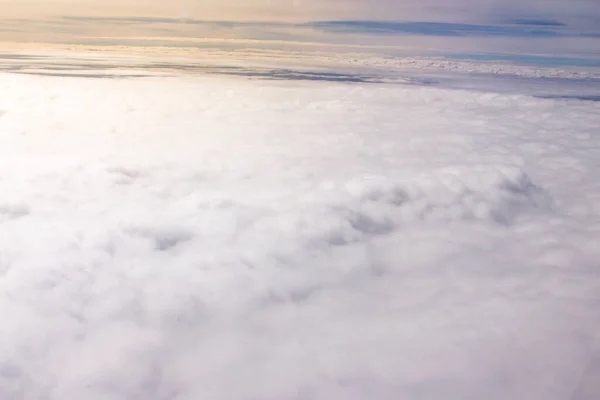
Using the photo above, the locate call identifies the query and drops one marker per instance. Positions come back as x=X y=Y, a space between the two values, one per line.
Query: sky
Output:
x=557 y=28
x=585 y=12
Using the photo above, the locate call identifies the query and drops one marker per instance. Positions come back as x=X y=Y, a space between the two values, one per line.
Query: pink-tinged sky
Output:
x=570 y=11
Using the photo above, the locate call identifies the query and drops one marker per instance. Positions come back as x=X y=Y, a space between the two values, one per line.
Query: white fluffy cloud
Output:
x=229 y=239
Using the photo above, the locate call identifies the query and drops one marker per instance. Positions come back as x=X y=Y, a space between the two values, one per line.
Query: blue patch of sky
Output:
x=535 y=22
x=520 y=29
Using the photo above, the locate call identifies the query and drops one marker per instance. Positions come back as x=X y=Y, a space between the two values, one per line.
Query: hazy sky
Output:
x=573 y=11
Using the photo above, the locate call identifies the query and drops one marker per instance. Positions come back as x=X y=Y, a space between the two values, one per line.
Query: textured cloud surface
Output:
x=221 y=238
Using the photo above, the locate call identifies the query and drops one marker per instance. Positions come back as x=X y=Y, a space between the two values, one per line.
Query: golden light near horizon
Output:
x=204 y=9
x=44 y=20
